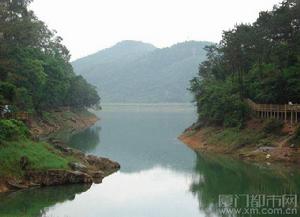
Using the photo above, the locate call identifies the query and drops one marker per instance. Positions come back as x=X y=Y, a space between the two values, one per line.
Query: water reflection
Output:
x=86 y=140
x=220 y=175
x=35 y=202
x=150 y=193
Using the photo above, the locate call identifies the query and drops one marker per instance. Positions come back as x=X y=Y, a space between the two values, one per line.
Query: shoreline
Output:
x=79 y=167
x=279 y=151
x=56 y=121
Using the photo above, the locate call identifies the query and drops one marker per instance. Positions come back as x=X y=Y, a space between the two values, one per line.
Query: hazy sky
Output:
x=91 y=25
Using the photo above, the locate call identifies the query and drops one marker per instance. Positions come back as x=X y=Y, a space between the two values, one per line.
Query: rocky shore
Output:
x=86 y=169
x=81 y=168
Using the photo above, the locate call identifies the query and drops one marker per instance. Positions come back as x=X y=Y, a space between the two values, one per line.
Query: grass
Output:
x=41 y=156
x=233 y=137
x=15 y=144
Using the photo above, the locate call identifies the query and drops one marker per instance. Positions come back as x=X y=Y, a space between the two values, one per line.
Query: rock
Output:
x=97 y=180
x=24 y=162
x=31 y=184
x=241 y=156
x=62 y=148
x=57 y=177
x=266 y=148
x=103 y=164
x=78 y=153
x=67 y=150
x=78 y=167
x=97 y=174
x=16 y=185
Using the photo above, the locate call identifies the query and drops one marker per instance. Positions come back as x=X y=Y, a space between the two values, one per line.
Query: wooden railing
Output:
x=22 y=116
x=283 y=112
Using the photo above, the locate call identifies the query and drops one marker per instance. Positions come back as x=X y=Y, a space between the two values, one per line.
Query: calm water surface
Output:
x=160 y=177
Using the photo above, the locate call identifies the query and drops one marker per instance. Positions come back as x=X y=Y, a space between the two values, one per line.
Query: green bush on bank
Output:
x=11 y=130
x=273 y=126
x=234 y=138
x=296 y=139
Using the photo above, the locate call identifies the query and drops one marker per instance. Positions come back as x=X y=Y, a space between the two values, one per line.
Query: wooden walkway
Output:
x=288 y=113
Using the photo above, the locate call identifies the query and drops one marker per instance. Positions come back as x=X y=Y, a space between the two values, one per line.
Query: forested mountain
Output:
x=133 y=71
x=260 y=61
x=35 y=73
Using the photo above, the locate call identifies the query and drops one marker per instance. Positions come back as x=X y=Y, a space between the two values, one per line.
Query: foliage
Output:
x=296 y=139
x=259 y=61
x=273 y=126
x=12 y=130
x=35 y=72
x=219 y=102
x=7 y=91
x=82 y=93
x=297 y=134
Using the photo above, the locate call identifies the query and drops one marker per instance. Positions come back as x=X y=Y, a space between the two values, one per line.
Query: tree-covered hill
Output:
x=35 y=73
x=260 y=61
x=133 y=71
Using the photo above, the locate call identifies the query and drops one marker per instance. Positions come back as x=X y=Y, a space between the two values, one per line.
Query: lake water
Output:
x=159 y=176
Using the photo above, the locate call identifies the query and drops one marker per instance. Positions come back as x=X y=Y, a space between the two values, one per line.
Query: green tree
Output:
x=35 y=71
x=260 y=61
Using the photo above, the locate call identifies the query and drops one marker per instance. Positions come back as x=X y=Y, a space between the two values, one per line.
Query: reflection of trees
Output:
x=219 y=175
x=33 y=203
x=86 y=140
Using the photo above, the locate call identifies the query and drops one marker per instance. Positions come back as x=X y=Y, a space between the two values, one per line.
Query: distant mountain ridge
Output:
x=133 y=71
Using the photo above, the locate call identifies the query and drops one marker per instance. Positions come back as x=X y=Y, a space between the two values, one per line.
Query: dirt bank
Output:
x=249 y=144
x=54 y=121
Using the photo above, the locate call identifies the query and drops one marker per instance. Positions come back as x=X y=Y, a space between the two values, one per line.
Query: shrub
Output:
x=297 y=133
x=273 y=126
x=296 y=139
x=12 y=130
